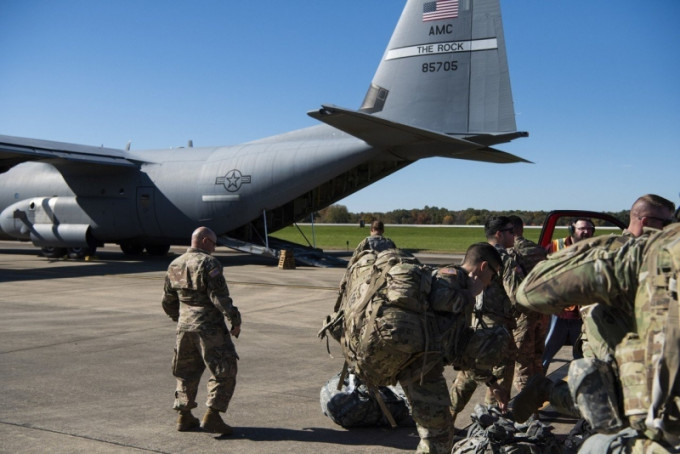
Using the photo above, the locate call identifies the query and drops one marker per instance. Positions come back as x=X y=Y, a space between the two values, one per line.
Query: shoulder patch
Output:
x=450 y=271
x=215 y=272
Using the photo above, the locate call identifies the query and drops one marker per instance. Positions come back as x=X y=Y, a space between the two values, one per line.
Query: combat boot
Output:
x=187 y=421
x=212 y=422
x=531 y=398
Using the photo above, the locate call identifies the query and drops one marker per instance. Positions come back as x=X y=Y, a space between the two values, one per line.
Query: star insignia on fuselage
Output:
x=233 y=180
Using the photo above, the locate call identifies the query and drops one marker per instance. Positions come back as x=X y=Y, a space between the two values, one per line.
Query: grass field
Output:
x=422 y=238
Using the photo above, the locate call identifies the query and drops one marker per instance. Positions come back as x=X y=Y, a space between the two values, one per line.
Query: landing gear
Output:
x=81 y=252
x=157 y=249
x=71 y=252
x=132 y=248
x=53 y=252
x=137 y=248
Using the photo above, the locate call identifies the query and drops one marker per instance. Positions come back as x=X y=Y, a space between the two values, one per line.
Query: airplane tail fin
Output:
x=445 y=69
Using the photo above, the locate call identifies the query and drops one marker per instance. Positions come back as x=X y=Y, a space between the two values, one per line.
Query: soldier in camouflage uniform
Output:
x=604 y=325
x=197 y=298
x=428 y=396
x=447 y=338
x=648 y=214
x=376 y=241
x=640 y=277
x=531 y=326
x=493 y=308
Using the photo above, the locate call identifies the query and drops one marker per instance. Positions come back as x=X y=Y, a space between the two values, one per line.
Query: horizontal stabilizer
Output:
x=14 y=150
x=414 y=143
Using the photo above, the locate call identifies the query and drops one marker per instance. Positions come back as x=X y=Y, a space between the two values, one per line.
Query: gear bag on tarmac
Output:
x=491 y=432
x=353 y=405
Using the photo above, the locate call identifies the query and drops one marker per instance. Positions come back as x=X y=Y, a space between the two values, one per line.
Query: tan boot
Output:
x=212 y=422
x=187 y=421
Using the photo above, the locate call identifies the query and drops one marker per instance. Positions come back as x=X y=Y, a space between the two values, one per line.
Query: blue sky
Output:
x=596 y=84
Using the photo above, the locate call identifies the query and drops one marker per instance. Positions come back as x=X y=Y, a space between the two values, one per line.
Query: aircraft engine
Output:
x=48 y=222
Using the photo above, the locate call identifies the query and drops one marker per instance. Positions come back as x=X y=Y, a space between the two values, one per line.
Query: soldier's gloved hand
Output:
x=235 y=331
x=501 y=395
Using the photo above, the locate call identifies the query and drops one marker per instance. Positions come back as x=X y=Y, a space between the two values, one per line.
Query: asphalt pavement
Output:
x=85 y=352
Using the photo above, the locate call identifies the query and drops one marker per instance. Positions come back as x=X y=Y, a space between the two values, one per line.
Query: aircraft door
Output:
x=146 y=211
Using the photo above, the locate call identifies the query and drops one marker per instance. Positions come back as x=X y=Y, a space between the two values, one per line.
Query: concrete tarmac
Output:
x=85 y=352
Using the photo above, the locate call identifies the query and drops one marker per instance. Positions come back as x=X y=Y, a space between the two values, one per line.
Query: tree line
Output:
x=339 y=214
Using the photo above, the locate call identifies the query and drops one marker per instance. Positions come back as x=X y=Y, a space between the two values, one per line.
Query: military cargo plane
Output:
x=441 y=89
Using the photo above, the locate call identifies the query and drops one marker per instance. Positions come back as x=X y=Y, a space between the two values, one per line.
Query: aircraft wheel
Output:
x=157 y=249
x=80 y=252
x=132 y=248
x=53 y=252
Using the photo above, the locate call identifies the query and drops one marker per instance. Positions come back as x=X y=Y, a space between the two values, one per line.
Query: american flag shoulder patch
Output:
x=449 y=271
x=215 y=272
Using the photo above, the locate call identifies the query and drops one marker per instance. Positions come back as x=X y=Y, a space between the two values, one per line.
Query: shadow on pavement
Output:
x=399 y=438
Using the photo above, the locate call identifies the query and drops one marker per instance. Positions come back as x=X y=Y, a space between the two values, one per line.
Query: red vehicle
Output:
x=564 y=217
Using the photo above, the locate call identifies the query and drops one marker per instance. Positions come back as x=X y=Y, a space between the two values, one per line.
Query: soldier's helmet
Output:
x=486 y=349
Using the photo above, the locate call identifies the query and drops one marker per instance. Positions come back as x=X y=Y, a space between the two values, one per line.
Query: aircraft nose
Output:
x=14 y=222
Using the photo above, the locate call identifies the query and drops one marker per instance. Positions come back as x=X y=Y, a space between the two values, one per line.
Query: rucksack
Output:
x=528 y=254
x=649 y=366
x=382 y=322
x=386 y=323
x=388 y=329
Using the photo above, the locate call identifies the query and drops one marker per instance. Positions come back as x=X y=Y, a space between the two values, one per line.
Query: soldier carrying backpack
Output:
x=399 y=321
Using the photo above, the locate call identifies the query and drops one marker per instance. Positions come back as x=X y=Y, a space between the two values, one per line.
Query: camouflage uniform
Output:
x=429 y=397
x=430 y=410
x=604 y=326
x=492 y=308
x=640 y=279
x=531 y=326
x=448 y=302
x=377 y=243
x=197 y=297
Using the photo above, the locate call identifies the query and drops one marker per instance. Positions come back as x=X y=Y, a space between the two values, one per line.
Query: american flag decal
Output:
x=440 y=9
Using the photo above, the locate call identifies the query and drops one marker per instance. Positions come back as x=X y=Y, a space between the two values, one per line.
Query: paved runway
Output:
x=85 y=352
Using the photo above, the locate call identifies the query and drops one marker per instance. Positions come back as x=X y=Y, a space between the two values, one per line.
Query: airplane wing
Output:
x=414 y=143
x=15 y=150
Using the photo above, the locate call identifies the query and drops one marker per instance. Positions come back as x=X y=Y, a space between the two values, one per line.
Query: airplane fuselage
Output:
x=174 y=190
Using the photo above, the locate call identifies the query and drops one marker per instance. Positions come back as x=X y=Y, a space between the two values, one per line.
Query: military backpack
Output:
x=649 y=365
x=386 y=324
